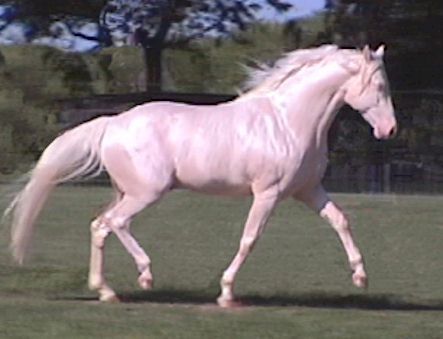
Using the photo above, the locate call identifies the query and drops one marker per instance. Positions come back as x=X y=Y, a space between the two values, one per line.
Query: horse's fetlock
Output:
x=144 y=266
x=227 y=279
x=356 y=263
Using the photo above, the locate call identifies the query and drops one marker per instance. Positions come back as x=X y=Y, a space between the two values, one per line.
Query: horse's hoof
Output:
x=112 y=298
x=360 y=280
x=145 y=283
x=229 y=303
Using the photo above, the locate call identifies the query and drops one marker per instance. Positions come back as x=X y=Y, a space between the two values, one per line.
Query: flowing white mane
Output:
x=265 y=78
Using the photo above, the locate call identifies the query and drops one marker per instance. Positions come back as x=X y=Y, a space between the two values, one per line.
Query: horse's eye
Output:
x=380 y=85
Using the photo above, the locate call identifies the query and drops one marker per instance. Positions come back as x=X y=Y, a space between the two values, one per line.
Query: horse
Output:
x=270 y=142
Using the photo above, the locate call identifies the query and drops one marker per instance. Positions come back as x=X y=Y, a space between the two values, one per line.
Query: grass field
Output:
x=296 y=281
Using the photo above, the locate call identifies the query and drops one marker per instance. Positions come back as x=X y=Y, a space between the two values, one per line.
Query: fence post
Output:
x=387 y=178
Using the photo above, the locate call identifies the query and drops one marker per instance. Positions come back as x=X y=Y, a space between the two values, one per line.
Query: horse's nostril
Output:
x=393 y=132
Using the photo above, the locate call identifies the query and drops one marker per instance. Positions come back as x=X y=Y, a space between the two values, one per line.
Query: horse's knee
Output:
x=99 y=231
x=341 y=223
x=335 y=217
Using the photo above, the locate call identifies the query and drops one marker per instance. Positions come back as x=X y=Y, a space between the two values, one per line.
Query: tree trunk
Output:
x=153 y=68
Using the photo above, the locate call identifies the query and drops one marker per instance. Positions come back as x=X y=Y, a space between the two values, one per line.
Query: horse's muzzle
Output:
x=386 y=132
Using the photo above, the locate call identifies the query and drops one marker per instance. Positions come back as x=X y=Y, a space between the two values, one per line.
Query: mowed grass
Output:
x=296 y=282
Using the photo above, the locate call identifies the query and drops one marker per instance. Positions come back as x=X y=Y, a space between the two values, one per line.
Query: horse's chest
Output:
x=308 y=172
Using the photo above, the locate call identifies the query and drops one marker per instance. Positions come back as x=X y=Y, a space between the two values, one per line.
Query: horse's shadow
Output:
x=326 y=300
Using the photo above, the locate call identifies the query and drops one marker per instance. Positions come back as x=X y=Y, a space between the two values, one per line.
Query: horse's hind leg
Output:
x=118 y=219
x=99 y=232
x=137 y=192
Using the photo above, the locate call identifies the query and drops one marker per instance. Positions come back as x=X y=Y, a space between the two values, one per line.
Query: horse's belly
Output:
x=216 y=189
x=210 y=182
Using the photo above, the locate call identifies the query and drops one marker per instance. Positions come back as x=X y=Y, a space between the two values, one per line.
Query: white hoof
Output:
x=145 y=282
x=360 y=280
x=228 y=303
x=109 y=298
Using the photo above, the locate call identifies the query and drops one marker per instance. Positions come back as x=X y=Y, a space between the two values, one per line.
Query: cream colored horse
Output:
x=270 y=142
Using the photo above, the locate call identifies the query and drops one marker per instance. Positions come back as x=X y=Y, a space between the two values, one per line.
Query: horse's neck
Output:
x=312 y=104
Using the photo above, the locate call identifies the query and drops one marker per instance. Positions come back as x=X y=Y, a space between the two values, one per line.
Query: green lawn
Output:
x=296 y=281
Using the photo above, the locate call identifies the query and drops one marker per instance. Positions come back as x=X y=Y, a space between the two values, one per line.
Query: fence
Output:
x=412 y=163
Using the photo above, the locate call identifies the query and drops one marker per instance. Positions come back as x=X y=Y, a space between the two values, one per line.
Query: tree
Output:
x=68 y=25
x=44 y=9
x=156 y=25
x=410 y=28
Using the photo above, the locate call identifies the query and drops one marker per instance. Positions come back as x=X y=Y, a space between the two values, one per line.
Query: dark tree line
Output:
x=412 y=30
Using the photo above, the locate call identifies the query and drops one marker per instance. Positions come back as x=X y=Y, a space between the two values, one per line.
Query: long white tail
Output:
x=74 y=154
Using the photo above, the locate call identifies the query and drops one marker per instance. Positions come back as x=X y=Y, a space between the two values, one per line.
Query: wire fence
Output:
x=404 y=178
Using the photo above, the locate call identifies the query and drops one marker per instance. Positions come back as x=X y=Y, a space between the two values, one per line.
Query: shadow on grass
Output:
x=377 y=302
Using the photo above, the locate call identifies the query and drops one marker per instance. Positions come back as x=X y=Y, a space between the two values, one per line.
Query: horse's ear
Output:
x=380 y=51
x=367 y=53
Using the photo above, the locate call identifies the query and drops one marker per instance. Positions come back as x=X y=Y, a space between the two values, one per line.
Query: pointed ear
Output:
x=367 y=53
x=380 y=51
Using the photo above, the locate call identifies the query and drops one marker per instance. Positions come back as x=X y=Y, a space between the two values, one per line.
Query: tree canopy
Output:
x=152 y=24
x=156 y=25
x=43 y=10
x=410 y=28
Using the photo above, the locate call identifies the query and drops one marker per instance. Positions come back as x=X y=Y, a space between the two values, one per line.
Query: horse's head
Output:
x=368 y=92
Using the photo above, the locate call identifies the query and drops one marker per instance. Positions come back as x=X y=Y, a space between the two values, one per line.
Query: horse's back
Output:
x=222 y=149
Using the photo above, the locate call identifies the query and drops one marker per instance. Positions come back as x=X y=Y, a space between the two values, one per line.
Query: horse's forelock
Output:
x=367 y=70
x=355 y=62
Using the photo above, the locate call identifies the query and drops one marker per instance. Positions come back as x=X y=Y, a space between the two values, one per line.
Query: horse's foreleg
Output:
x=99 y=232
x=327 y=209
x=332 y=213
x=258 y=216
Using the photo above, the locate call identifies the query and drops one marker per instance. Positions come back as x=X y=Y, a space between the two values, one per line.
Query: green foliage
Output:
x=411 y=29
x=25 y=130
x=42 y=10
x=45 y=72
x=188 y=71
x=125 y=67
x=262 y=43
x=215 y=66
x=99 y=72
x=31 y=80
x=422 y=135
x=71 y=68
x=353 y=143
